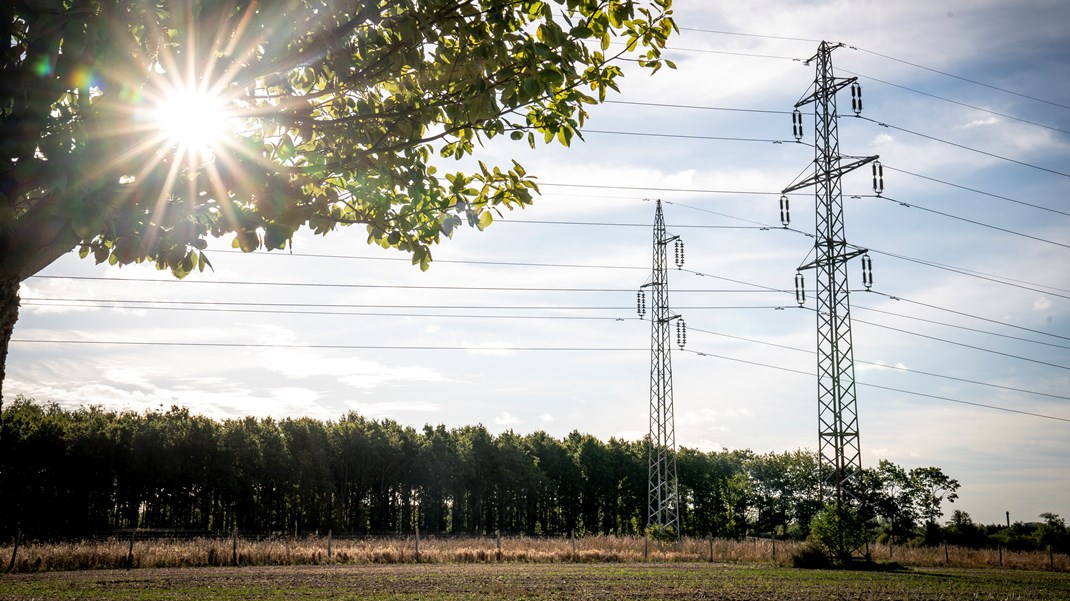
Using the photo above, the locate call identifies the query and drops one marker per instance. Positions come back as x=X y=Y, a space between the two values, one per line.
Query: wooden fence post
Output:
x=417 y=544
x=646 y=546
x=572 y=537
x=1051 y=558
x=130 y=551
x=15 y=551
x=329 y=550
x=947 y=559
x=711 y=548
x=1000 y=547
x=499 y=553
x=234 y=547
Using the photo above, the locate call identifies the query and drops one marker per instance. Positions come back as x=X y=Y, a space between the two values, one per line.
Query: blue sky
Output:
x=1015 y=277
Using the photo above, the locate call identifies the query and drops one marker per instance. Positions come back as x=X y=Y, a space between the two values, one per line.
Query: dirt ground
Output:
x=574 y=582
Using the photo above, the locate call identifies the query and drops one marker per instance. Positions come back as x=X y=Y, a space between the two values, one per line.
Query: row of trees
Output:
x=69 y=472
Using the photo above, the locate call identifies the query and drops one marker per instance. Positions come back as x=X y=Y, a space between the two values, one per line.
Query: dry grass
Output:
x=313 y=550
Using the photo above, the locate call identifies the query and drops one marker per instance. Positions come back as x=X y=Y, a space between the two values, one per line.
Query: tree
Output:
x=930 y=486
x=314 y=113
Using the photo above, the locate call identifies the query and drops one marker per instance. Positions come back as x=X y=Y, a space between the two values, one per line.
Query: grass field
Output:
x=576 y=582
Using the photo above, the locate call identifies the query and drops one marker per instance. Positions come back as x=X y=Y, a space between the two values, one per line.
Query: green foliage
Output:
x=339 y=112
x=838 y=531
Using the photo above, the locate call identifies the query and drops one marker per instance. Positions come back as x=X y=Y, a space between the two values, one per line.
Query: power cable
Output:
x=642 y=225
x=963 y=104
x=692 y=106
x=373 y=286
x=695 y=137
x=373 y=347
x=885 y=56
x=972 y=221
x=966 y=79
x=951 y=325
x=962 y=146
x=884 y=365
x=970 y=315
x=981 y=276
x=899 y=390
x=242 y=307
x=962 y=344
x=975 y=190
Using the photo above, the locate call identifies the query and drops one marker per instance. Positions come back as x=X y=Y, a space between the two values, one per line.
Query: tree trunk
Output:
x=9 y=314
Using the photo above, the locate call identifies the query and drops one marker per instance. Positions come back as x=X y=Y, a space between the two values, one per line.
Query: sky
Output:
x=967 y=103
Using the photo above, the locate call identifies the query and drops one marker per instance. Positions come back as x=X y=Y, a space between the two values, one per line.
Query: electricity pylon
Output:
x=839 y=448
x=663 y=517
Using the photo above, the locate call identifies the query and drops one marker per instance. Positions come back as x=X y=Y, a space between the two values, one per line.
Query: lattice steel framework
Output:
x=839 y=447
x=663 y=501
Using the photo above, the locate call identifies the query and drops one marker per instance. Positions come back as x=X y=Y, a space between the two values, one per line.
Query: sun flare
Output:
x=193 y=120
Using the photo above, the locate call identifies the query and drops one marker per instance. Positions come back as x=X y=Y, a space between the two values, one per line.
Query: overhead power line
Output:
x=964 y=345
x=899 y=390
x=359 y=347
x=968 y=329
x=960 y=78
x=885 y=56
x=975 y=190
x=965 y=314
x=883 y=365
x=962 y=146
x=911 y=205
x=373 y=286
x=698 y=107
x=963 y=104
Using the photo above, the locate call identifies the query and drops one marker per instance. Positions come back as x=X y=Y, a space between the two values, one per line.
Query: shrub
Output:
x=810 y=556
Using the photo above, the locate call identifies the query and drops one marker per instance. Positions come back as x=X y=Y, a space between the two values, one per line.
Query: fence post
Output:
x=711 y=548
x=329 y=550
x=774 y=549
x=1000 y=547
x=234 y=547
x=1051 y=558
x=15 y=551
x=572 y=537
x=646 y=546
x=499 y=554
x=417 y=544
x=946 y=558
x=130 y=551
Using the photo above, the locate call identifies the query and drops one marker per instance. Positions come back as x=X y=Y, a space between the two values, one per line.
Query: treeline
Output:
x=72 y=472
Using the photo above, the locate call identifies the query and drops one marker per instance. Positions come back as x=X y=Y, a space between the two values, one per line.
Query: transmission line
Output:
x=964 y=314
x=968 y=329
x=884 y=365
x=969 y=106
x=972 y=221
x=899 y=390
x=966 y=79
x=975 y=190
x=964 y=147
x=964 y=345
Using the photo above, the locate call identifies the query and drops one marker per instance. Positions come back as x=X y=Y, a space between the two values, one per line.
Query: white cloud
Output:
x=546 y=417
x=506 y=419
x=1042 y=304
x=981 y=122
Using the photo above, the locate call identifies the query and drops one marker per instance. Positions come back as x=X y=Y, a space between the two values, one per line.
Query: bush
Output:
x=810 y=556
x=838 y=531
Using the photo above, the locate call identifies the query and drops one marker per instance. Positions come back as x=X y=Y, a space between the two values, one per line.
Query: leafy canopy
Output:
x=134 y=130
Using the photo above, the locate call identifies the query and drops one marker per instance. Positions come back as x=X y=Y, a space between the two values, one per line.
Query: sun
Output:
x=193 y=121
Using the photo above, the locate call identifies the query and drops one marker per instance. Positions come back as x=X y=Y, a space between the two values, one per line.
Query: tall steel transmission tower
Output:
x=663 y=517
x=838 y=437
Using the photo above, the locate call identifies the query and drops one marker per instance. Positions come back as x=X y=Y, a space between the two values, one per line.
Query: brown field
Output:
x=319 y=550
x=535 y=581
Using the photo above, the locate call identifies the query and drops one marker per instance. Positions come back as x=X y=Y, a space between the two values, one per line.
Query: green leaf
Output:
x=485 y=219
